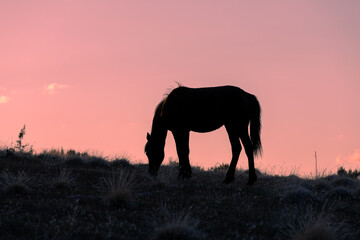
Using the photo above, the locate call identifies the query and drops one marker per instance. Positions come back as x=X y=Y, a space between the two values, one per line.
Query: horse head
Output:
x=155 y=154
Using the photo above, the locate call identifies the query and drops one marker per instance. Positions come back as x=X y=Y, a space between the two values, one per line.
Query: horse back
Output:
x=206 y=108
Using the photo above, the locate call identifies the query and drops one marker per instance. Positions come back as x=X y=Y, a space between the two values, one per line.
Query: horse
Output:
x=204 y=110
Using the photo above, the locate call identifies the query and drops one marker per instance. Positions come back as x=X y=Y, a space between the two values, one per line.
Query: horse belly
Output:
x=203 y=128
x=200 y=122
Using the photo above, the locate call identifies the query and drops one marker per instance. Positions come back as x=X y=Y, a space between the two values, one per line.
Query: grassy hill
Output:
x=69 y=195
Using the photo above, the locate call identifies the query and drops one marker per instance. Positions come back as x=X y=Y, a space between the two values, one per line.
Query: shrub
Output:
x=97 y=162
x=73 y=153
x=14 y=183
x=318 y=231
x=121 y=163
x=74 y=162
x=117 y=188
x=351 y=173
x=176 y=226
x=220 y=167
x=344 y=181
x=64 y=179
x=322 y=185
x=340 y=193
x=298 y=194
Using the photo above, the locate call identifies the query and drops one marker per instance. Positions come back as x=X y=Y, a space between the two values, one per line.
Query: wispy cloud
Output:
x=352 y=158
x=53 y=87
x=4 y=99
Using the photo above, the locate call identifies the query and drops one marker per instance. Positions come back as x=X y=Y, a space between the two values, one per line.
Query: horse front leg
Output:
x=182 y=148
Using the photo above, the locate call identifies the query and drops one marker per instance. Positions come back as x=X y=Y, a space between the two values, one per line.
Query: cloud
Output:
x=52 y=87
x=4 y=99
x=353 y=158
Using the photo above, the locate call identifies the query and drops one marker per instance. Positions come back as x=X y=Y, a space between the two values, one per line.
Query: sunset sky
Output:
x=88 y=75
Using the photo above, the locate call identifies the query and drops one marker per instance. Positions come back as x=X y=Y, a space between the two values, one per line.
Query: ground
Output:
x=75 y=196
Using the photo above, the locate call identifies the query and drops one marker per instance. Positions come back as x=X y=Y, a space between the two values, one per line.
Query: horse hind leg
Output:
x=236 y=149
x=245 y=139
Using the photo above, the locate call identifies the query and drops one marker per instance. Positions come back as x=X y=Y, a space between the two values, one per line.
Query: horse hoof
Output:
x=251 y=181
x=184 y=176
x=229 y=180
x=184 y=173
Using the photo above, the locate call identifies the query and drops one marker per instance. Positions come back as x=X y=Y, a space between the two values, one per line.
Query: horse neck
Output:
x=158 y=131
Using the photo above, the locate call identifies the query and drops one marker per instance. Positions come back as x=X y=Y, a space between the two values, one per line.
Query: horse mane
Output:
x=159 y=108
x=170 y=89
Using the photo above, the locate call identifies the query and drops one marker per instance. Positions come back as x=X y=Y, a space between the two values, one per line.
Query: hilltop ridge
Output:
x=58 y=195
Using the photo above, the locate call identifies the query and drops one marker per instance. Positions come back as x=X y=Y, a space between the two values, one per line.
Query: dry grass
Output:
x=64 y=179
x=117 y=188
x=175 y=224
x=74 y=196
x=318 y=231
x=14 y=183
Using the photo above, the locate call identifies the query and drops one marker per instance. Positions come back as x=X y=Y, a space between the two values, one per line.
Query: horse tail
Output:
x=255 y=126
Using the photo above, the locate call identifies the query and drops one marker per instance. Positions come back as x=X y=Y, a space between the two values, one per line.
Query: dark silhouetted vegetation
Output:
x=350 y=173
x=60 y=194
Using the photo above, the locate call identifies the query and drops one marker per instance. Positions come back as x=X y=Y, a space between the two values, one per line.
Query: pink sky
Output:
x=87 y=75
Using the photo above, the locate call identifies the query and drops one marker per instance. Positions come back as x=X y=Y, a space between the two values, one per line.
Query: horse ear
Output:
x=148 y=136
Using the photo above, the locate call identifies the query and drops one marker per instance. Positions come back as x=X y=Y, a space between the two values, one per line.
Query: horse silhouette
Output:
x=205 y=110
